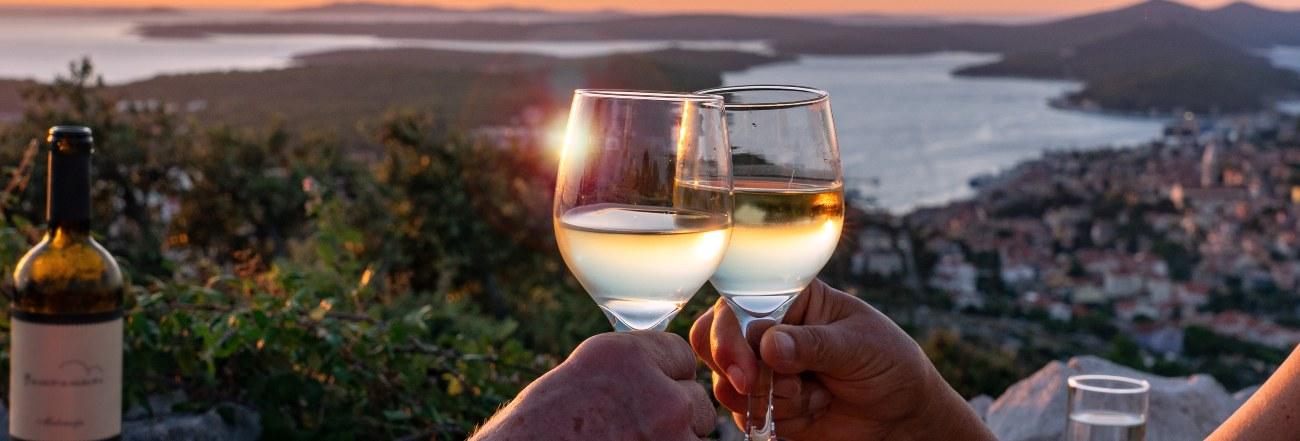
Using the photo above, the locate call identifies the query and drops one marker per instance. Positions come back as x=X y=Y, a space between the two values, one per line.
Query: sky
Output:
x=943 y=7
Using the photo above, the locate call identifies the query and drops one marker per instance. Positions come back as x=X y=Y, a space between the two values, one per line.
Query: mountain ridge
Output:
x=1161 y=67
x=371 y=7
x=1029 y=49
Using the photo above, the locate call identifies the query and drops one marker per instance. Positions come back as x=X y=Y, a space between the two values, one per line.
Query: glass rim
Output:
x=820 y=96
x=1137 y=385
x=653 y=95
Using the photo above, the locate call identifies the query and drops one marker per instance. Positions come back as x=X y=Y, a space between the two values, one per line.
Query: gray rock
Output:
x=225 y=422
x=981 y=405
x=1034 y=409
x=238 y=424
x=156 y=406
x=727 y=430
x=1244 y=394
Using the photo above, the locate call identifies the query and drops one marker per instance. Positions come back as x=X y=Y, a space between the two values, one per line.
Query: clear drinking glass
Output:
x=643 y=200
x=1107 y=408
x=789 y=197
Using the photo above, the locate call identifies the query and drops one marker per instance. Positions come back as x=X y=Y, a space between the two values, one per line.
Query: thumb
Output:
x=818 y=348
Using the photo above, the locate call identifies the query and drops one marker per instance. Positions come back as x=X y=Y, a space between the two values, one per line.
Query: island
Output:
x=1157 y=57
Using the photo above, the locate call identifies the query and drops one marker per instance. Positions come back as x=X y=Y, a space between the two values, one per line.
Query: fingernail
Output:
x=737 y=376
x=784 y=345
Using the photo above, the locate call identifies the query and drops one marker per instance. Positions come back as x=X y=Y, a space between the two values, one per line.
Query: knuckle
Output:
x=611 y=346
x=697 y=393
x=674 y=410
x=679 y=396
x=699 y=336
x=677 y=355
x=677 y=345
x=681 y=411
x=812 y=343
x=723 y=354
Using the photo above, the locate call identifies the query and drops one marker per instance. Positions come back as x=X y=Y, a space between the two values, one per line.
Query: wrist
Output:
x=531 y=412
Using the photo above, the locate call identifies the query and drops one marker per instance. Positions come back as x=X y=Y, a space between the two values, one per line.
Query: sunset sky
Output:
x=954 y=7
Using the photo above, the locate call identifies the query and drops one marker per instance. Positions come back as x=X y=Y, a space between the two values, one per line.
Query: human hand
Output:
x=614 y=386
x=843 y=371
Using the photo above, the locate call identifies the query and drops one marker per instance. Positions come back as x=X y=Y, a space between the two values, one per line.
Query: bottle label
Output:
x=65 y=380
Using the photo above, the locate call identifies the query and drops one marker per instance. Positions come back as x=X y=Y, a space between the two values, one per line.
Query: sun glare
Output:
x=554 y=135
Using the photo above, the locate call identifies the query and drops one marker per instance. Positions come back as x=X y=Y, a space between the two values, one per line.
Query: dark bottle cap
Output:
x=68 y=180
x=71 y=139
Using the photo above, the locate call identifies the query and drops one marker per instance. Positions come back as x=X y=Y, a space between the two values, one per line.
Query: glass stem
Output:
x=753 y=324
x=758 y=413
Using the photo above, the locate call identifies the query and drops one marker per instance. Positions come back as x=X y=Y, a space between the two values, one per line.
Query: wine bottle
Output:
x=65 y=371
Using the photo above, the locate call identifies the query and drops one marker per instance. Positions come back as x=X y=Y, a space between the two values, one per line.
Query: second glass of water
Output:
x=1107 y=408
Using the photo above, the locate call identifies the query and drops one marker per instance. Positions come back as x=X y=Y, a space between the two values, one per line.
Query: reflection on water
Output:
x=911 y=134
x=1287 y=57
x=41 y=47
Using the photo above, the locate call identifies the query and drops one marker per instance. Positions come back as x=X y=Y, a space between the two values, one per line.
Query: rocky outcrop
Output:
x=727 y=430
x=1242 y=395
x=221 y=423
x=225 y=422
x=1034 y=409
x=981 y=405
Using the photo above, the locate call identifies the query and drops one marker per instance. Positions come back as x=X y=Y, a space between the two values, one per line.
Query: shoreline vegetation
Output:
x=331 y=92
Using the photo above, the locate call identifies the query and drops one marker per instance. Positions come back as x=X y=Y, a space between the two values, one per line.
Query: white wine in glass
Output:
x=802 y=219
x=643 y=200
x=789 y=210
x=641 y=264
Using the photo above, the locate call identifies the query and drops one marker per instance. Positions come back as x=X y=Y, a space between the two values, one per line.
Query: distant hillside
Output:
x=11 y=98
x=1139 y=49
x=1239 y=24
x=1156 y=67
x=330 y=92
x=673 y=27
x=1107 y=49
x=477 y=61
x=388 y=8
x=46 y=11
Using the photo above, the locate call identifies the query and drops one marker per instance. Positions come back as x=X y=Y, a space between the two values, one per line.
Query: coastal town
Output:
x=1197 y=228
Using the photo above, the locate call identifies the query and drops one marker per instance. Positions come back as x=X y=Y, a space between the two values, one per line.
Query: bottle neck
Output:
x=67 y=204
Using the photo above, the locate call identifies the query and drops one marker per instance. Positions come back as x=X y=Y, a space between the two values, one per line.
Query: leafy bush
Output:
x=970 y=368
x=341 y=294
x=319 y=360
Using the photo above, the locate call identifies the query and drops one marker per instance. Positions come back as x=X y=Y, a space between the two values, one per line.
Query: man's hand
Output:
x=843 y=371
x=615 y=386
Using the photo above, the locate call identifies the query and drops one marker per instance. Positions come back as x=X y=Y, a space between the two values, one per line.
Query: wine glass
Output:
x=643 y=200
x=789 y=209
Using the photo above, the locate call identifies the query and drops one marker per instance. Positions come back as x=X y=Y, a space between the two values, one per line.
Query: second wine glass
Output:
x=789 y=209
